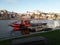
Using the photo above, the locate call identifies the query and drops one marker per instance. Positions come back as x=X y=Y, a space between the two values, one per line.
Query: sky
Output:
x=30 y=5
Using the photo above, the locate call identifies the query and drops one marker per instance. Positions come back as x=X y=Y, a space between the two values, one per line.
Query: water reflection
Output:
x=5 y=29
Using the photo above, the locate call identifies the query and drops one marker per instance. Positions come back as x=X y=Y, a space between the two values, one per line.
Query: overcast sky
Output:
x=30 y=5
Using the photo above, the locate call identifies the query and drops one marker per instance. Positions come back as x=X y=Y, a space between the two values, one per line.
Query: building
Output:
x=6 y=15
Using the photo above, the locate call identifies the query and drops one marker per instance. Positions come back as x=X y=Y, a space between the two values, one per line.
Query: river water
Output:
x=5 y=29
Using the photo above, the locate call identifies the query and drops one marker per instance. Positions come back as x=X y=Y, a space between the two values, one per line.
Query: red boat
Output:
x=19 y=27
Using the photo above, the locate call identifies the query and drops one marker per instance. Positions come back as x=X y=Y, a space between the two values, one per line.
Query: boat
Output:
x=39 y=27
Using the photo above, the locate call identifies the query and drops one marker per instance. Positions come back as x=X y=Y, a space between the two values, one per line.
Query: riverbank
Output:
x=52 y=36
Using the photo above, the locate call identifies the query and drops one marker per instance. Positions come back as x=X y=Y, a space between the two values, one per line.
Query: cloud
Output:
x=12 y=1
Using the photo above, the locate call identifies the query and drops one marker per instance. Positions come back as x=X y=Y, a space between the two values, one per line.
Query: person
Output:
x=24 y=27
